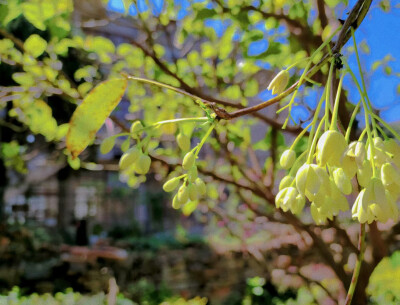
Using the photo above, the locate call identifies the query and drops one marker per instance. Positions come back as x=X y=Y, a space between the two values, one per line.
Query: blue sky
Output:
x=380 y=30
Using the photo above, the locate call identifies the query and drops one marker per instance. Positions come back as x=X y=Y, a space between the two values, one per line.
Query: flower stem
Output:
x=336 y=106
x=314 y=142
x=328 y=95
x=353 y=117
x=357 y=267
x=200 y=145
x=363 y=81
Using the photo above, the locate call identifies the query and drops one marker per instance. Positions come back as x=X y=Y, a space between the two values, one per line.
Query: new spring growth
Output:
x=189 y=160
x=129 y=157
x=107 y=145
x=171 y=184
x=279 y=82
x=287 y=159
x=142 y=165
x=330 y=148
x=201 y=186
x=183 y=141
x=136 y=127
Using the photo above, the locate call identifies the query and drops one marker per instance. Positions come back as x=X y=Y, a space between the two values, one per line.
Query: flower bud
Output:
x=287 y=159
x=286 y=198
x=317 y=215
x=286 y=182
x=192 y=192
x=380 y=156
x=175 y=202
x=129 y=157
x=389 y=174
x=183 y=194
x=330 y=148
x=279 y=82
x=201 y=186
x=136 y=127
x=364 y=173
x=188 y=160
x=307 y=181
x=361 y=212
x=183 y=141
x=349 y=166
x=299 y=205
x=374 y=203
x=192 y=174
x=171 y=184
x=142 y=165
x=342 y=181
x=356 y=150
x=107 y=145
x=392 y=147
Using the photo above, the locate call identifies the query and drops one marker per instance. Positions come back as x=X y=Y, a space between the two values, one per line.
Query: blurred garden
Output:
x=221 y=152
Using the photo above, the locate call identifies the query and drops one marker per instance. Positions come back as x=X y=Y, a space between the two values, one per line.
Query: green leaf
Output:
x=33 y=13
x=24 y=79
x=35 y=45
x=92 y=113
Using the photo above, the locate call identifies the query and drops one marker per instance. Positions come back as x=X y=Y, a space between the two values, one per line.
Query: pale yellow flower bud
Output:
x=349 y=166
x=330 y=148
x=129 y=157
x=389 y=174
x=142 y=165
x=364 y=173
x=192 y=174
x=183 y=141
x=342 y=181
x=308 y=182
x=107 y=145
x=380 y=156
x=356 y=150
x=192 y=192
x=374 y=203
x=290 y=199
x=188 y=160
x=183 y=194
x=201 y=186
x=361 y=212
x=171 y=184
x=286 y=182
x=279 y=82
x=316 y=215
x=287 y=159
x=392 y=147
x=175 y=202
x=285 y=198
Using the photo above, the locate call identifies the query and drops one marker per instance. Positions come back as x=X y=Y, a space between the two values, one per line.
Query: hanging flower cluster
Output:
x=136 y=160
x=335 y=168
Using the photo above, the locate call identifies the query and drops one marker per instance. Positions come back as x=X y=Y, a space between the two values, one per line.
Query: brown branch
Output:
x=14 y=39
x=207 y=99
x=321 y=13
x=355 y=18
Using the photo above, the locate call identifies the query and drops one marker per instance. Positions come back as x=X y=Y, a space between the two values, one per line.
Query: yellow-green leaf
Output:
x=92 y=113
x=35 y=45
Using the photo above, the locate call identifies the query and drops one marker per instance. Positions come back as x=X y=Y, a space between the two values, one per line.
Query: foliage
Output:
x=384 y=285
x=74 y=298
x=69 y=297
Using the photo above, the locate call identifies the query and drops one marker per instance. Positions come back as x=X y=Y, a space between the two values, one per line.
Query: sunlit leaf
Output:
x=92 y=113
x=35 y=45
